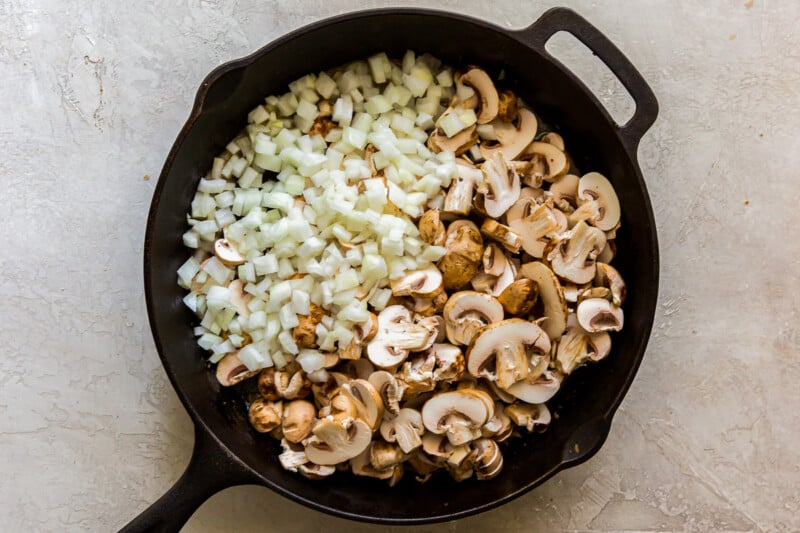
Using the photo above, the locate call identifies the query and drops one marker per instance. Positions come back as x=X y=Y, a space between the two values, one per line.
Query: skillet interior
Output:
x=587 y=400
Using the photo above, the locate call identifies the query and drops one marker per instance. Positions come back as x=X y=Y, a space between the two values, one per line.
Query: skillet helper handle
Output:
x=211 y=469
x=562 y=19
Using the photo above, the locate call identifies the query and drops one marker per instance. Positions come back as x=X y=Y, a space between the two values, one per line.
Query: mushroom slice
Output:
x=291 y=385
x=501 y=186
x=416 y=375
x=596 y=187
x=406 y=429
x=449 y=362
x=457 y=414
x=367 y=401
x=314 y=471
x=551 y=304
x=333 y=443
x=466 y=312
x=507 y=109
x=499 y=426
x=608 y=253
x=499 y=352
x=362 y=333
x=239 y=298
x=519 y=297
x=534 y=229
x=464 y=250
x=297 y=420
x=265 y=415
x=479 y=80
x=512 y=139
x=573 y=257
x=533 y=417
x=565 y=189
x=231 y=370
x=553 y=138
x=361 y=465
x=422 y=465
x=431 y=228
x=227 y=253
x=305 y=333
x=607 y=276
x=547 y=163
x=293 y=456
x=577 y=347
x=385 y=455
x=390 y=390
x=494 y=260
x=507 y=237
x=459 y=196
x=488 y=459
x=598 y=314
x=424 y=283
x=537 y=390
x=397 y=335
x=459 y=143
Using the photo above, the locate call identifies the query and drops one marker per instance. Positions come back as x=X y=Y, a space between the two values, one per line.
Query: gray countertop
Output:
x=92 y=96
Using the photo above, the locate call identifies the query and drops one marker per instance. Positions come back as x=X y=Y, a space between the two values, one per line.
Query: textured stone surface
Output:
x=92 y=95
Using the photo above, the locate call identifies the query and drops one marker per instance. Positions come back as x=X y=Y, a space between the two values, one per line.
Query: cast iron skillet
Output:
x=227 y=451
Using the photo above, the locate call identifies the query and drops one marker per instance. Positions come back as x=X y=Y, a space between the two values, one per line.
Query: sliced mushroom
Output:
x=607 y=276
x=291 y=385
x=457 y=414
x=596 y=187
x=488 y=459
x=367 y=400
x=494 y=260
x=298 y=419
x=362 y=333
x=265 y=415
x=573 y=257
x=305 y=333
x=239 y=298
x=466 y=312
x=406 y=429
x=507 y=109
x=537 y=390
x=501 y=186
x=361 y=465
x=548 y=162
x=499 y=351
x=423 y=465
x=479 y=80
x=385 y=455
x=464 y=250
x=512 y=139
x=553 y=138
x=333 y=443
x=227 y=253
x=431 y=228
x=459 y=196
x=565 y=189
x=231 y=370
x=293 y=456
x=577 y=347
x=314 y=471
x=397 y=335
x=459 y=143
x=551 y=304
x=389 y=388
x=499 y=426
x=449 y=365
x=608 y=253
x=534 y=228
x=507 y=237
x=598 y=314
x=424 y=283
x=519 y=297
x=533 y=417
x=416 y=374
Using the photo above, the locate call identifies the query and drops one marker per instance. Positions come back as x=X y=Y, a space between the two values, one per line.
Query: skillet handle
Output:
x=562 y=19
x=211 y=469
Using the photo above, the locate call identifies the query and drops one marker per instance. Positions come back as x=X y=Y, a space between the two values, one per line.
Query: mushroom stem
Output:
x=512 y=364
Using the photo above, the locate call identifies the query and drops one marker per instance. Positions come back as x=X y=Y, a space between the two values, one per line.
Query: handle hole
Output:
x=591 y=70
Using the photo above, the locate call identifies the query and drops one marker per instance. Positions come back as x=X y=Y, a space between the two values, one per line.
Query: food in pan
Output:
x=406 y=263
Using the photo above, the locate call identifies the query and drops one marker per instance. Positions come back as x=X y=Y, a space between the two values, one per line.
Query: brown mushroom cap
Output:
x=466 y=312
x=431 y=228
x=298 y=419
x=361 y=465
x=333 y=443
x=464 y=250
x=519 y=297
x=265 y=415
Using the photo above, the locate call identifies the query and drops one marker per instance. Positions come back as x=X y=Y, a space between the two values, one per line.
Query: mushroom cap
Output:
x=406 y=429
x=503 y=186
x=548 y=162
x=361 y=465
x=533 y=417
x=384 y=455
x=537 y=390
x=507 y=109
x=553 y=138
x=431 y=228
x=598 y=314
x=511 y=336
x=333 y=443
x=227 y=252
x=390 y=389
x=450 y=412
x=607 y=276
x=424 y=283
x=565 y=189
x=466 y=312
x=535 y=227
x=595 y=186
x=231 y=370
x=519 y=297
x=512 y=139
x=573 y=256
x=479 y=80
x=449 y=362
x=369 y=404
x=488 y=459
x=314 y=471
x=298 y=419
x=265 y=415
x=551 y=296
x=459 y=143
x=577 y=346
x=464 y=250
